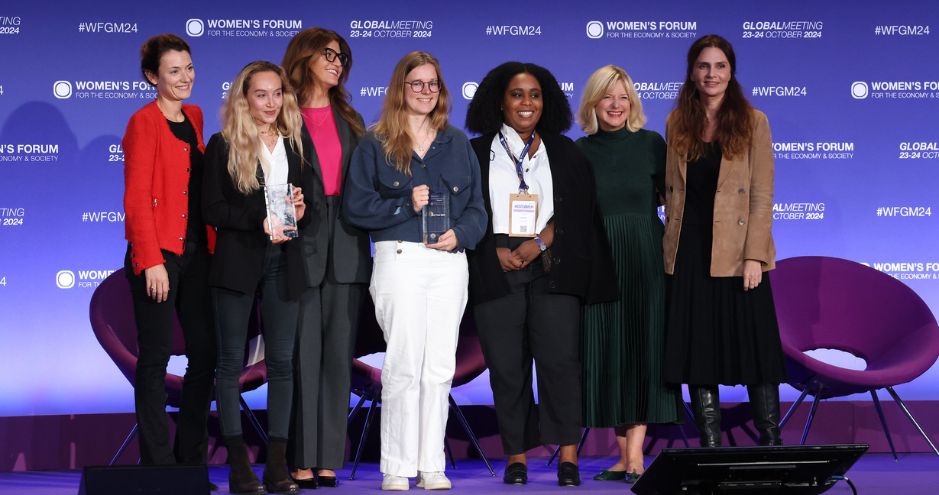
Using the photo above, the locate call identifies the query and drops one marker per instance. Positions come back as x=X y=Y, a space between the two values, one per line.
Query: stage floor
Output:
x=874 y=474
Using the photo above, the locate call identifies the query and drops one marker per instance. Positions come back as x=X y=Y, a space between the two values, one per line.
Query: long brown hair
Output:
x=392 y=128
x=305 y=47
x=686 y=123
x=239 y=129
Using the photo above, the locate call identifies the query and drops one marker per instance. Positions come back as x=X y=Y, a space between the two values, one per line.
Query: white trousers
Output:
x=419 y=296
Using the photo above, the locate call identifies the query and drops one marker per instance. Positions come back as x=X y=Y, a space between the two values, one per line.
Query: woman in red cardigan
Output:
x=167 y=261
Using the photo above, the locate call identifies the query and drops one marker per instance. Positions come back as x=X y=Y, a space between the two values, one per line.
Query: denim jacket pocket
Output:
x=458 y=187
x=393 y=184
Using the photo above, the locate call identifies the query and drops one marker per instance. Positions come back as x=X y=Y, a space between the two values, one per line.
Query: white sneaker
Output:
x=434 y=480
x=391 y=482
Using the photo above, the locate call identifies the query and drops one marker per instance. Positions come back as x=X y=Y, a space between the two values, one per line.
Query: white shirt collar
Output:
x=514 y=141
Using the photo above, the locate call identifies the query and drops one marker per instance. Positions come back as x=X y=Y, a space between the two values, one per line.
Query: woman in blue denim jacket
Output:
x=419 y=282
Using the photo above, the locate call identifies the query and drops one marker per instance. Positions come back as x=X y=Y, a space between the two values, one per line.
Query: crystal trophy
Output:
x=435 y=217
x=281 y=212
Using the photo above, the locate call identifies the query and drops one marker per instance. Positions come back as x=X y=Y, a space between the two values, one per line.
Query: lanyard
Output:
x=522 y=186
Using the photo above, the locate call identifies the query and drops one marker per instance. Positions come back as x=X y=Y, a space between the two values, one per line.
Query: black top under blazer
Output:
x=350 y=254
x=581 y=261
x=238 y=263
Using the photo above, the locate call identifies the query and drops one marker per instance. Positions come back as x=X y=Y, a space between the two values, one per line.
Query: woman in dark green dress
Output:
x=623 y=341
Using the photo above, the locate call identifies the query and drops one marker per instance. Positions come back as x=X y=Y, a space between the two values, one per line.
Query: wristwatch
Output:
x=541 y=245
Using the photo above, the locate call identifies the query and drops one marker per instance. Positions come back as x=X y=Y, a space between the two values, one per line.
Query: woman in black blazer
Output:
x=337 y=256
x=528 y=279
x=259 y=147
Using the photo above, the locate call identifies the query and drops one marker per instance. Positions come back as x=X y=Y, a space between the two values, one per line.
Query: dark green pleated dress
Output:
x=623 y=341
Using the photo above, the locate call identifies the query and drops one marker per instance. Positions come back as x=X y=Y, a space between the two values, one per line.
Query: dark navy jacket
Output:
x=377 y=197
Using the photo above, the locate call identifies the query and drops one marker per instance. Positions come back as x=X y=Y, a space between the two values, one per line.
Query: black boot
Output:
x=241 y=479
x=276 y=477
x=706 y=403
x=764 y=402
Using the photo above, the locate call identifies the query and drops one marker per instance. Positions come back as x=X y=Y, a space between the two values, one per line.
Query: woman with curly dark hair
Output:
x=721 y=323
x=543 y=255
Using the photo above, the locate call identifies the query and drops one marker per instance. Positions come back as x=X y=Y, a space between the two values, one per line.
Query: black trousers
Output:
x=279 y=314
x=188 y=299
x=329 y=322
x=329 y=316
x=533 y=324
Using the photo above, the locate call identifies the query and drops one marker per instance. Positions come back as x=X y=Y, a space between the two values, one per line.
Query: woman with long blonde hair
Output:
x=419 y=286
x=258 y=148
x=338 y=259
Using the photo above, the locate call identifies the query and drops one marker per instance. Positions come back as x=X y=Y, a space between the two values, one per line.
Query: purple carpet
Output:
x=874 y=474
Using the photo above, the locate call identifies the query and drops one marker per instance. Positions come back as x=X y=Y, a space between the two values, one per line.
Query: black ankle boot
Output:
x=764 y=402
x=276 y=477
x=706 y=403
x=241 y=479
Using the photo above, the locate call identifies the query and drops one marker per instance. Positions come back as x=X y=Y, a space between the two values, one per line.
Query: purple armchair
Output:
x=112 y=319
x=831 y=303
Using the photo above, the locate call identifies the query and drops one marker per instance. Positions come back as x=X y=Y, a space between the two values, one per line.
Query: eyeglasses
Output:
x=417 y=86
x=331 y=56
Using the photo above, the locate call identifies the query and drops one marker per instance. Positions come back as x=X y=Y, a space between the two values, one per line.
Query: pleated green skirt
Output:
x=623 y=342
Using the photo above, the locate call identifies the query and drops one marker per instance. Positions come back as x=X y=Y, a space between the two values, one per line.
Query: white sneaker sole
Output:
x=395 y=487
x=443 y=485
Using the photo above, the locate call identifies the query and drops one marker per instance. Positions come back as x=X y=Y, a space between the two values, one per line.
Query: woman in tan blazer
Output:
x=721 y=323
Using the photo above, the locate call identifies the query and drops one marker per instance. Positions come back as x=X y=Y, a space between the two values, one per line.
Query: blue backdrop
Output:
x=851 y=90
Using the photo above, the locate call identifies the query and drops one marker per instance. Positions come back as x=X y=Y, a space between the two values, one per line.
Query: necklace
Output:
x=269 y=136
x=422 y=144
x=423 y=138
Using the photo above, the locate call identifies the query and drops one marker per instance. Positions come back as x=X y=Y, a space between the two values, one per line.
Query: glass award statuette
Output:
x=281 y=213
x=435 y=217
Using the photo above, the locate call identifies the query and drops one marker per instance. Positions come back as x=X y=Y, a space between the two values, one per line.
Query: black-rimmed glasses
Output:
x=331 y=56
x=417 y=85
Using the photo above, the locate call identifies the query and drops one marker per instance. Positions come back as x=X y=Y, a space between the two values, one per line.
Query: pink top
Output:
x=322 y=127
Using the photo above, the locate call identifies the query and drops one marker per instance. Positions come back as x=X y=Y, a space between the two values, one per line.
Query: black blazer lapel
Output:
x=345 y=140
x=309 y=149
x=294 y=162
x=482 y=146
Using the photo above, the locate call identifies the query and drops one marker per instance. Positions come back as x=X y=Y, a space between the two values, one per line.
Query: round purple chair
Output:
x=831 y=303
x=111 y=312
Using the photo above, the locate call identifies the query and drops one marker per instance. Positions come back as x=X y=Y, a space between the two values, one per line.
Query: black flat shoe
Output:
x=327 y=481
x=632 y=477
x=515 y=474
x=568 y=474
x=608 y=475
x=307 y=483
